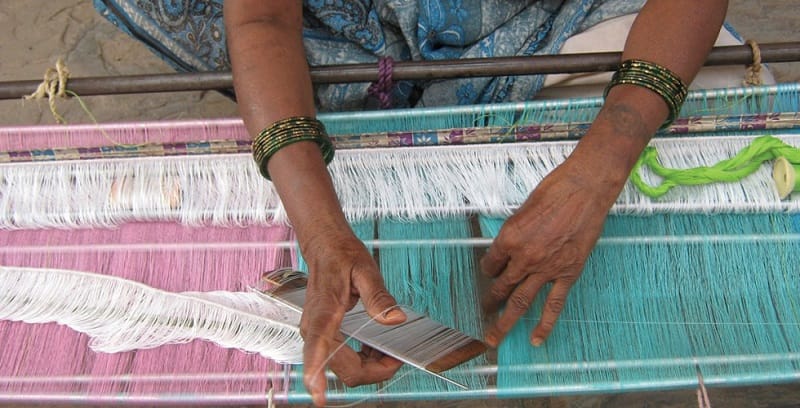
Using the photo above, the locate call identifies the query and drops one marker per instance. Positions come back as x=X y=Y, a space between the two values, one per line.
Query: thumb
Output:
x=377 y=301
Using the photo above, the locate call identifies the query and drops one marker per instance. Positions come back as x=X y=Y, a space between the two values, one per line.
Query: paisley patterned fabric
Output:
x=190 y=35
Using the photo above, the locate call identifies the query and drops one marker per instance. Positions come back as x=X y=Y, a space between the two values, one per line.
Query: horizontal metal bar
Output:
x=411 y=70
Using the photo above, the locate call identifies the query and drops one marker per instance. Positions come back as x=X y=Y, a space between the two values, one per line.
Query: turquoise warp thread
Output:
x=747 y=161
x=660 y=294
x=438 y=281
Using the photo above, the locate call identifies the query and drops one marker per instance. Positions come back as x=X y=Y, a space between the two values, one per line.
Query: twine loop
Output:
x=54 y=85
x=382 y=88
x=752 y=75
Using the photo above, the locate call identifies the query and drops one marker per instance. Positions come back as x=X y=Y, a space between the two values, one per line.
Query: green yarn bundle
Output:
x=747 y=161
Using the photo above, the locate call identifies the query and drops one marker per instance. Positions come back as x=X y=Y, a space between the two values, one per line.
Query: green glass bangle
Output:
x=656 y=78
x=285 y=132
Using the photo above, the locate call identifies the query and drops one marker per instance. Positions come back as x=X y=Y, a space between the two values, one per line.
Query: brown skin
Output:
x=551 y=235
x=272 y=82
x=547 y=240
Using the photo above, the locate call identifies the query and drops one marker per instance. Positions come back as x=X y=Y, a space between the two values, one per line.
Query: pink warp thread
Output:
x=48 y=362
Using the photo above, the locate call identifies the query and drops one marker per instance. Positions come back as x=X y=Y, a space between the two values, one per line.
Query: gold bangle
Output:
x=285 y=132
x=656 y=78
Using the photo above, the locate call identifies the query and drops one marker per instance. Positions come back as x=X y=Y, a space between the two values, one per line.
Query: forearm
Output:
x=272 y=82
x=676 y=34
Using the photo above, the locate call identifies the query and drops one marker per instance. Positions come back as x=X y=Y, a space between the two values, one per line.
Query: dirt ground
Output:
x=35 y=33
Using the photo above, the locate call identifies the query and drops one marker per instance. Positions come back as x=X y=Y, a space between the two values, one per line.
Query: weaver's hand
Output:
x=547 y=240
x=342 y=271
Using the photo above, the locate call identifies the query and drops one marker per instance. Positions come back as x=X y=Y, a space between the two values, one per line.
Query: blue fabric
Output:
x=189 y=34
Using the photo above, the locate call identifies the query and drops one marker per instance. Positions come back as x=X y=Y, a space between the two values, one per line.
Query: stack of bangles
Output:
x=655 y=78
x=285 y=132
x=301 y=128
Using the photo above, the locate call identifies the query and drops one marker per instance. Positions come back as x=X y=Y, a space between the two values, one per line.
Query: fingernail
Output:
x=491 y=340
x=537 y=341
x=395 y=315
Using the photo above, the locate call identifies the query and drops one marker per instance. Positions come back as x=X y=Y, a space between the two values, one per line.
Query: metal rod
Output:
x=412 y=70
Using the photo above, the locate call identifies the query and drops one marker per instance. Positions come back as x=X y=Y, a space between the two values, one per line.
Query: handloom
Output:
x=703 y=278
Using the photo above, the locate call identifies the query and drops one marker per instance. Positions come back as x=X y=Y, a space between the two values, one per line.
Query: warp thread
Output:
x=382 y=88
x=54 y=85
x=752 y=75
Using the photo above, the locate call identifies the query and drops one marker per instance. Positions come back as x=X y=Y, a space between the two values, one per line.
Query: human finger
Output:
x=377 y=301
x=501 y=288
x=553 y=306
x=319 y=327
x=517 y=305
x=495 y=259
x=370 y=353
x=364 y=367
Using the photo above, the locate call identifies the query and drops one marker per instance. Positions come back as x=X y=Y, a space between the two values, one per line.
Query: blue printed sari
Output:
x=190 y=35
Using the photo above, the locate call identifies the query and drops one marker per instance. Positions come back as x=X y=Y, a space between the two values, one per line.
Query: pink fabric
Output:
x=166 y=256
x=43 y=137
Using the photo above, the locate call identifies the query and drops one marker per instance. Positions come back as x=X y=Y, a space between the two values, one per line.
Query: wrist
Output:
x=630 y=117
x=304 y=185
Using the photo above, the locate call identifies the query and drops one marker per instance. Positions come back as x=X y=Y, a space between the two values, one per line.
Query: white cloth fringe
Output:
x=415 y=183
x=122 y=315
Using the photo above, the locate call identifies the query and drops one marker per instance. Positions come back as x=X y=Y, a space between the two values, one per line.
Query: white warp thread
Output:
x=122 y=315
x=406 y=183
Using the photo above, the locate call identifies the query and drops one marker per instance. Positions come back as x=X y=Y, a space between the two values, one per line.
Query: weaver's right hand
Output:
x=341 y=272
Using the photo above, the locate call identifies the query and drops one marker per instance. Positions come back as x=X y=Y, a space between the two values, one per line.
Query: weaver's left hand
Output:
x=547 y=240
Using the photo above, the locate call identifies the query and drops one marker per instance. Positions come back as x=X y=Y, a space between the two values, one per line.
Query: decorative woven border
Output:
x=462 y=136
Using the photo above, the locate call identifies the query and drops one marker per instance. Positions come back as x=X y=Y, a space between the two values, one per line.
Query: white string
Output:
x=378 y=391
x=421 y=183
x=122 y=315
x=343 y=344
x=270 y=398
x=703 y=401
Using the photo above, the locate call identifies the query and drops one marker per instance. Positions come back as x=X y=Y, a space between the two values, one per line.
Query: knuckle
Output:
x=498 y=291
x=519 y=302
x=569 y=252
x=351 y=380
x=325 y=300
x=380 y=298
x=511 y=235
x=570 y=278
x=546 y=326
x=555 y=305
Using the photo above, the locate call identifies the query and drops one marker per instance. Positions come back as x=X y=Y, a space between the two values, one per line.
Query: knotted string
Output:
x=753 y=74
x=54 y=85
x=382 y=88
x=747 y=161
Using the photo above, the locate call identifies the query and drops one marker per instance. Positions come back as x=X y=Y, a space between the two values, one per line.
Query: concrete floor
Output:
x=36 y=32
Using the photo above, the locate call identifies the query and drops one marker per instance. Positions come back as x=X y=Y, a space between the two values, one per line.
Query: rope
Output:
x=54 y=85
x=747 y=161
x=382 y=89
x=753 y=74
